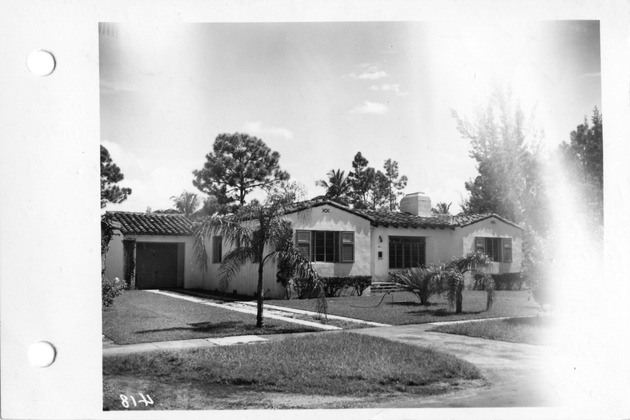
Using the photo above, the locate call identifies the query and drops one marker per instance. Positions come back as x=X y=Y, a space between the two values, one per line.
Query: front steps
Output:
x=385 y=287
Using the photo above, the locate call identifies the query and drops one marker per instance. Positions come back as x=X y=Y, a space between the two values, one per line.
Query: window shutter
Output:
x=507 y=250
x=254 y=240
x=347 y=246
x=217 y=251
x=303 y=242
x=480 y=244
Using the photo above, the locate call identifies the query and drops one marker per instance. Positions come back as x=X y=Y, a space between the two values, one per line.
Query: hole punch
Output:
x=41 y=63
x=42 y=354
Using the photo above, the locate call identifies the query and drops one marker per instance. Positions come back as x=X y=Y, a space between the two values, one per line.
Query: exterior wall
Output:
x=189 y=275
x=493 y=228
x=443 y=245
x=114 y=259
x=440 y=246
x=333 y=219
x=246 y=280
x=318 y=218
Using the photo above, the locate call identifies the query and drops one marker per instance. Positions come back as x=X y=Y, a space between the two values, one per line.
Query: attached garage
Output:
x=152 y=251
x=159 y=264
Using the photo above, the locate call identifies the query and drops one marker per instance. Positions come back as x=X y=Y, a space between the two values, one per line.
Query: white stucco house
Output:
x=339 y=241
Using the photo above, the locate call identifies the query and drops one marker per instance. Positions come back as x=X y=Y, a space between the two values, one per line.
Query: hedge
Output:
x=505 y=281
x=333 y=286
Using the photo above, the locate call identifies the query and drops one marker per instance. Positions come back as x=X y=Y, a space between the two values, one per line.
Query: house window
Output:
x=406 y=251
x=499 y=249
x=325 y=245
x=347 y=246
x=217 y=248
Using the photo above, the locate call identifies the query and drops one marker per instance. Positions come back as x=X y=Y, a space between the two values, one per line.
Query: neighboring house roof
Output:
x=152 y=223
x=402 y=220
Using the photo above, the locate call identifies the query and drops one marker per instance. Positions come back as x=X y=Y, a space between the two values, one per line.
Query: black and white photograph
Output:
x=347 y=209
x=343 y=214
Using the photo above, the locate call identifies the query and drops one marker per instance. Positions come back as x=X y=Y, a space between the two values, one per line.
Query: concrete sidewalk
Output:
x=112 y=349
x=515 y=372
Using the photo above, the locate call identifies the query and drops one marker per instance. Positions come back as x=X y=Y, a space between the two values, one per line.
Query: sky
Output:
x=318 y=93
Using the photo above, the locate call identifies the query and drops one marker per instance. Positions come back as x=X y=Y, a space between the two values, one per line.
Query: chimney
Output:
x=417 y=204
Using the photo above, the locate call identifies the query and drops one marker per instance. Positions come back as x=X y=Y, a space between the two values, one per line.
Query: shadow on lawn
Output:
x=201 y=327
x=410 y=303
x=231 y=328
x=442 y=312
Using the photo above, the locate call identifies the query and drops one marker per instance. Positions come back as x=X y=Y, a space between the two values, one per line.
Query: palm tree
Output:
x=337 y=187
x=442 y=208
x=186 y=203
x=256 y=233
x=454 y=272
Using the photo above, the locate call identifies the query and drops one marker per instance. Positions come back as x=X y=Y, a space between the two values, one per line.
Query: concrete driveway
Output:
x=515 y=372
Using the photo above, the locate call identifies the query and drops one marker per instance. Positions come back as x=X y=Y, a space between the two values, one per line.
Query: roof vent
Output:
x=417 y=204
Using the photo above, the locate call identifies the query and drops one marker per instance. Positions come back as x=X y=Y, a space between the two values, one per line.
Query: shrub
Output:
x=331 y=286
x=508 y=281
x=284 y=276
x=423 y=282
x=110 y=289
x=504 y=281
x=304 y=287
x=359 y=283
x=334 y=285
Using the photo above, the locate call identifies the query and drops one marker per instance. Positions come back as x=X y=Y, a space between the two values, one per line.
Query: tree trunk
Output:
x=458 y=300
x=259 y=314
x=490 y=299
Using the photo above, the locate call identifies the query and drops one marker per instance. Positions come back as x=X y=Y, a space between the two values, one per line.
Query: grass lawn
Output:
x=139 y=317
x=334 y=370
x=518 y=330
x=404 y=307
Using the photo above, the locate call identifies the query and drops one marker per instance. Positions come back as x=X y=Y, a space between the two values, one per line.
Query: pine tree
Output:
x=110 y=176
x=237 y=165
x=393 y=185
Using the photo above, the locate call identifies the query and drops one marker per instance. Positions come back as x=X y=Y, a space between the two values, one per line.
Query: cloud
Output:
x=370 y=108
x=123 y=158
x=370 y=73
x=152 y=183
x=393 y=87
x=256 y=128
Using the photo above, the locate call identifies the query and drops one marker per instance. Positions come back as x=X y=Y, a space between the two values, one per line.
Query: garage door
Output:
x=156 y=265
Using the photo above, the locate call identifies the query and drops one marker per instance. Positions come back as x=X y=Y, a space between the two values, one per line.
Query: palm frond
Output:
x=302 y=268
x=472 y=261
x=199 y=246
x=231 y=229
x=232 y=262
x=247 y=234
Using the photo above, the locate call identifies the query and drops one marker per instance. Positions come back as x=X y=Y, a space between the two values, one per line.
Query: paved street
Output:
x=515 y=371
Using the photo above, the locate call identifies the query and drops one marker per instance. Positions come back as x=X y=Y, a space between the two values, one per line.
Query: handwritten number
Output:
x=146 y=400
